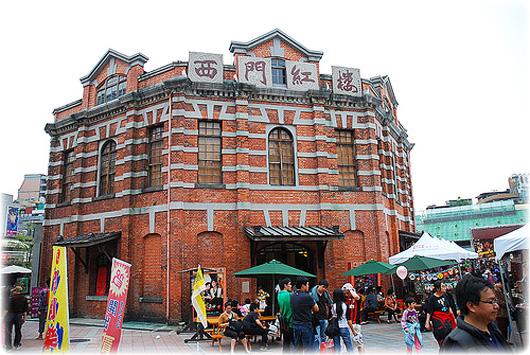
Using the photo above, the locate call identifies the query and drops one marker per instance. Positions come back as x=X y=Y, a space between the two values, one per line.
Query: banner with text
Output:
x=119 y=285
x=57 y=325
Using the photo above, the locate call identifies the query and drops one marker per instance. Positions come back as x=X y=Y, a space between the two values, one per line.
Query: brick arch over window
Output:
x=210 y=249
x=111 y=88
x=355 y=239
x=281 y=157
x=152 y=266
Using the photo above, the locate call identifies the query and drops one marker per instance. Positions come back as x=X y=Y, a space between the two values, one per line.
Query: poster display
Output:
x=120 y=276
x=58 y=325
x=12 y=221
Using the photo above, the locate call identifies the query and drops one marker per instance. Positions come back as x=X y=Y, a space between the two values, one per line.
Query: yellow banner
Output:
x=57 y=324
x=196 y=298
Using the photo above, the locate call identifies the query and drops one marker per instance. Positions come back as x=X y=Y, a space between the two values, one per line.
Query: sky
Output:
x=459 y=70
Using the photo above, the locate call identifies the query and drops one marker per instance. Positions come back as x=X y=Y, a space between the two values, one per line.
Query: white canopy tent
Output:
x=434 y=248
x=515 y=240
x=15 y=269
x=512 y=241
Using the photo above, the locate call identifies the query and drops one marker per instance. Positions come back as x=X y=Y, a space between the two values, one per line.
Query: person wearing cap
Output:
x=322 y=298
x=15 y=315
x=354 y=303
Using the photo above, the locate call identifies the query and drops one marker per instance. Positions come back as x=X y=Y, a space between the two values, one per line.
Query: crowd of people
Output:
x=313 y=319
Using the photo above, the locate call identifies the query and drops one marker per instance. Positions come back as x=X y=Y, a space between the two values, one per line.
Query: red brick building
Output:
x=196 y=162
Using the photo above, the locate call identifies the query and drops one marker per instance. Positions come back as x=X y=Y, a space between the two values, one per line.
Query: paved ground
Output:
x=85 y=336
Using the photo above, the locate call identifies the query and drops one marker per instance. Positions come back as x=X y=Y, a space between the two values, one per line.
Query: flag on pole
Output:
x=58 y=317
x=197 y=299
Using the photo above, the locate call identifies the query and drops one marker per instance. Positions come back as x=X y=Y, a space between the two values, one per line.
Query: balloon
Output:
x=402 y=272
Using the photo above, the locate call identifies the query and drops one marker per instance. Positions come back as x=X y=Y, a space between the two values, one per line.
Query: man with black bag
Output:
x=286 y=314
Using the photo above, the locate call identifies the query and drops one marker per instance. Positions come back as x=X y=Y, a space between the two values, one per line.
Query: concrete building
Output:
x=226 y=166
x=469 y=225
x=33 y=187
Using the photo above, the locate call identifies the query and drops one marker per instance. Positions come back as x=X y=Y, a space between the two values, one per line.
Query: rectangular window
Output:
x=209 y=152
x=156 y=143
x=346 y=158
x=68 y=175
x=278 y=71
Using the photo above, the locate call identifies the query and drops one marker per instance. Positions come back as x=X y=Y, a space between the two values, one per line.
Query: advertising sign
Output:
x=57 y=325
x=120 y=275
x=12 y=221
x=35 y=295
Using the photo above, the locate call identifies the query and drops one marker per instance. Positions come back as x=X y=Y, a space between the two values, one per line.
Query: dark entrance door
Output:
x=295 y=255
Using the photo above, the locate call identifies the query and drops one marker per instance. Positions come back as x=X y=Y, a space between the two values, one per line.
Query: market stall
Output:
x=511 y=252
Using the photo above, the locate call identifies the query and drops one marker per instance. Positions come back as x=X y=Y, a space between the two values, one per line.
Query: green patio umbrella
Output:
x=418 y=262
x=369 y=268
x=274 y=268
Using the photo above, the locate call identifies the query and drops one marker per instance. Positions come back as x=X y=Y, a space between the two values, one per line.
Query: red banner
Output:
x=119 y=285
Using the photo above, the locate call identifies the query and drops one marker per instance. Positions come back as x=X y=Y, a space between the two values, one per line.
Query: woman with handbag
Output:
x=233 y=328
x=342 y=318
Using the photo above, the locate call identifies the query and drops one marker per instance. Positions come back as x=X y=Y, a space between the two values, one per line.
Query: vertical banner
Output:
x=57 y=325
x=197 y=300
x=119 y=285
x=12 y=221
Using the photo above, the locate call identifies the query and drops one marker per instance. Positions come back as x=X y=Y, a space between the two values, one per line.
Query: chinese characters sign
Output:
x=205 y=67
x=57 y=325
x=301 y=76
x=119 y=285
x=346 y=81
x=256 y=71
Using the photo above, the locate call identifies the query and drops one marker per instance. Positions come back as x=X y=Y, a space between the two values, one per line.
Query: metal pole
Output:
x=506 y=301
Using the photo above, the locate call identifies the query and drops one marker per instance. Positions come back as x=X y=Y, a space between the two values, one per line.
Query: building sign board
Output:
x=346 y=81
x=205 y=67
x=256 y=71
x=301 y=76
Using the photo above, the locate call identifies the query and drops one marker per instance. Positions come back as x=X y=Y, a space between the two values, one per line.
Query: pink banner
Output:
x=119 y=285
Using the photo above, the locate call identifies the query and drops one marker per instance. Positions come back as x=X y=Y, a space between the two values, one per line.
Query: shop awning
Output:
x=285 y=234
x=87 y=240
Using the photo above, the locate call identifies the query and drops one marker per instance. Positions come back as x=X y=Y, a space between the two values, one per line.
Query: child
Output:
x=411 y=327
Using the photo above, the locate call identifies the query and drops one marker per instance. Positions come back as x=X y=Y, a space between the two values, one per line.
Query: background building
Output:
x=226 y=166
x=474 y=225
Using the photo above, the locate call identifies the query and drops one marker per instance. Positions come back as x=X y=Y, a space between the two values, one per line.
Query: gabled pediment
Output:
x=275 y=35
x=384 y=82
x=112 y=56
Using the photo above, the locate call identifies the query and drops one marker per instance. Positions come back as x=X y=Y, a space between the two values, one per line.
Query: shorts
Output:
x=356 y=342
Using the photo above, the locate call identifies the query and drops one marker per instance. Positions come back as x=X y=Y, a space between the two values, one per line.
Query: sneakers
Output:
x=264 y=348
x=18 y=346
x=39 y=337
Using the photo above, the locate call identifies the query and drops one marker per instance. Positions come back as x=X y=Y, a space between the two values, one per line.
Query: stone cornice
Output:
x=228 y=89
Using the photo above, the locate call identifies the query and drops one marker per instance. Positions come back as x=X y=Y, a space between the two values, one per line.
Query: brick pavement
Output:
x=85 y=336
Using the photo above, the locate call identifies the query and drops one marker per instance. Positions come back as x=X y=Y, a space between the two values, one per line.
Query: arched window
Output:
x=107 y=169
x=278 y=71
x=281 y=157
x=111 y=88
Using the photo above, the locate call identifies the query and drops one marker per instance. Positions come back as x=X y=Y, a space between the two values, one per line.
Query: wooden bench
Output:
x=376 y=315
